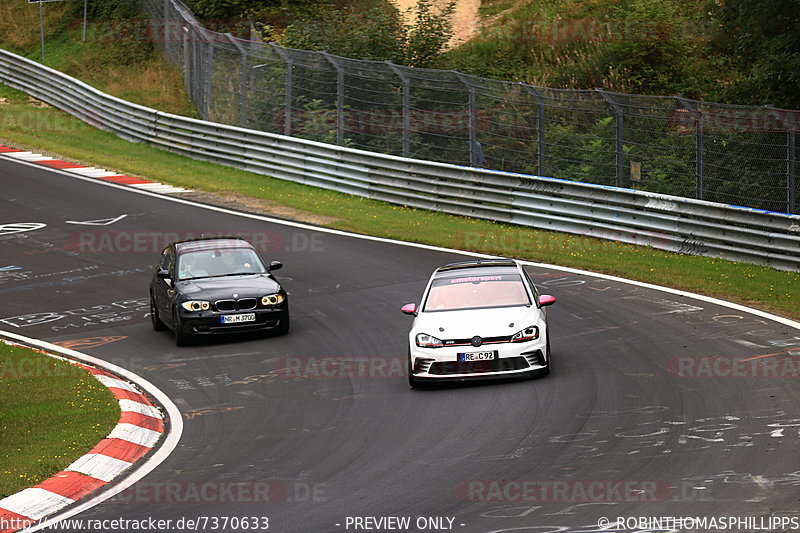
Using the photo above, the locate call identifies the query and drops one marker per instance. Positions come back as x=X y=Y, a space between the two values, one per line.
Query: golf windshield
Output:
x=224 y=262
x=477 y=290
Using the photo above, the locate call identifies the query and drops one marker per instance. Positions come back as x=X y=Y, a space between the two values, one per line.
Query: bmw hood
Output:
x=466 y=324
x=245 y=286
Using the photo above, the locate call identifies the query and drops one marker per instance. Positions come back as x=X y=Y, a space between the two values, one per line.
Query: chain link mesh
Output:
x=743 y=155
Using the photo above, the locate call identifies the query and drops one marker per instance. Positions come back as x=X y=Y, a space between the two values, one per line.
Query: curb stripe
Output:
x=143 y=421
x=140 y=408
x=123 y=394
x=99 y=466
x=90 y=172
x=120 y=449
x=135 y=434
x=94 y=370
x=35 y=503
x=110 y=382
x=72 y=485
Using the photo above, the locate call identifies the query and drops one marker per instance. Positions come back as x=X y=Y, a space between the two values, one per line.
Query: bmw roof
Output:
x=208 y=243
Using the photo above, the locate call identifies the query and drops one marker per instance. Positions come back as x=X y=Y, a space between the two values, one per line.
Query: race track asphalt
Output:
x=638 y=419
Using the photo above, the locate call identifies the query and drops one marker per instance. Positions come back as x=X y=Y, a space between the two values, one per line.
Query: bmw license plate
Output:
x=476 y=356
x=235 y=319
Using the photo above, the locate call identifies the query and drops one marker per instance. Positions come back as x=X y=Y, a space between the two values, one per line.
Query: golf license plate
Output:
x=476 y=356
x=235 y=319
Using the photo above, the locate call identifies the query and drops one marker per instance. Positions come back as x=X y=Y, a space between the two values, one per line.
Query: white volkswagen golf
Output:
x=478 y=319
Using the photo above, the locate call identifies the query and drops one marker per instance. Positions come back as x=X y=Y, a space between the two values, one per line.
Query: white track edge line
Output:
x=171 y=437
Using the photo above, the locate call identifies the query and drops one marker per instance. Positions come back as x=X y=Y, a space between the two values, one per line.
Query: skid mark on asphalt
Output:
x=91 y=342
x=666 y=435
x=205 y=411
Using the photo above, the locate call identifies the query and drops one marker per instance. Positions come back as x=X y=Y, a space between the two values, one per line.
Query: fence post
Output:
x=209 y=75
x=792 y=138
x=619 y=114
x=243 y=70
x=473 y=129
x=187 y=79
x=540 y=121
x=287 y=88
x=406 y=106
x=699 y=148
x=339 y=98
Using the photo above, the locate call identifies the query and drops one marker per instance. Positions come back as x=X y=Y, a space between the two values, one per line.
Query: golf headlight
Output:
x=196 y=305
x=272 y=299
x=426 y=341
x=528 y=334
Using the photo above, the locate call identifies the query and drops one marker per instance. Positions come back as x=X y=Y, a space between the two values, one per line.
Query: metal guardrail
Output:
x=660 y=221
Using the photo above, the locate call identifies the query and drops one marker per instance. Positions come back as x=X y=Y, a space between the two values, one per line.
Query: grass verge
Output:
x=59 y=134
x=52 y=413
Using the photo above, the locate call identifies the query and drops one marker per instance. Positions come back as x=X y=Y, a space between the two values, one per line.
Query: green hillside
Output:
x=731 y=51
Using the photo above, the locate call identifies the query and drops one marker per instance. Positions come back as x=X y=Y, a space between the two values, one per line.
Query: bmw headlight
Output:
x=272 y=299
x=528 y=334
x=427 y=341
x=196 y=305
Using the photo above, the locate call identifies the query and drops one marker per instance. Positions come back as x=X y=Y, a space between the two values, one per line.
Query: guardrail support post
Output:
x=699 y=148
x=619 y=114
x=339 y=98
x=540 y=121
x=406 y=106
x=287 y=88
x=475 y=150
x=792 y=185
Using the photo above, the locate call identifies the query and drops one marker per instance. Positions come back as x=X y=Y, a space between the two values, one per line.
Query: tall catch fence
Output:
x=740 y=155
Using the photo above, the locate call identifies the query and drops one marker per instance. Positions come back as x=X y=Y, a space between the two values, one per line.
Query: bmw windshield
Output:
x=476 y=289
x=220 y=262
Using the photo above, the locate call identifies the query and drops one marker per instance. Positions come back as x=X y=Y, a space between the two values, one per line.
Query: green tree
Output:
x=367 y=30
x=762 y=40
x=428 y=36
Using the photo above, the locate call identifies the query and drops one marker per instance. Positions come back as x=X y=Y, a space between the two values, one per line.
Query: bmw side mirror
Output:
x=275 y=265
x=163 y=273
x=546 y=299
x=409 y=309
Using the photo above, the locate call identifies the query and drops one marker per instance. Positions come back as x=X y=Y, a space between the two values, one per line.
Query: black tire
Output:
x=155 y=320
x=180 y=336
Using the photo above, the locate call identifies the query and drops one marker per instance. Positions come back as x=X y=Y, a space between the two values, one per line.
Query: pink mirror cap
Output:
x=409 y=309
x=546 y=299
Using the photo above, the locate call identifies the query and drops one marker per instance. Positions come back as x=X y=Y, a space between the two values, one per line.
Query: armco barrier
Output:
x=663 y=222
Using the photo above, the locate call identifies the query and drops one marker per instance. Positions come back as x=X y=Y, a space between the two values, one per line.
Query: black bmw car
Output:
x=216 y=286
